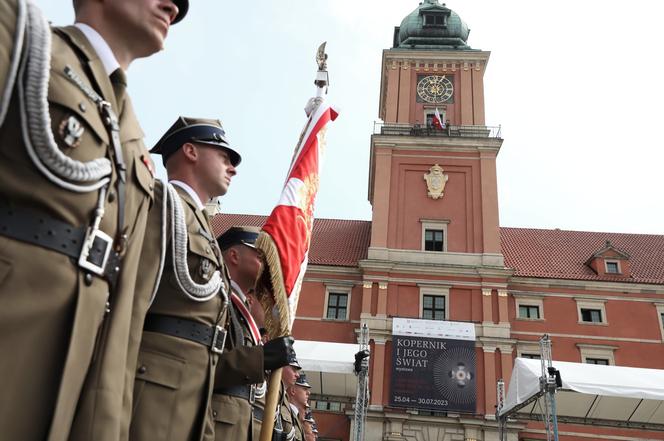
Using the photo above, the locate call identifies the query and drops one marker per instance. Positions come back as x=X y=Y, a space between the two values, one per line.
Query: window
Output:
x=433 y=307
x=612 y=267
x=591 y=311
x=434 y=234
x=529 y=311
x=660 y=317
x=433 y=240
x=531 y=356
x=529 y=306
x=437 y=20
x=597 y=354
x=337 y=306
x=330 y=406
x=591 y=315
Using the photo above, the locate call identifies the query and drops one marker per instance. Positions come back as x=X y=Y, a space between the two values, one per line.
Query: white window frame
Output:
x=430 y=224
x=606 y=266
x=597 y=351
x=660 y=311
x=437 y=292
x=584 y=303
x=529 y=301
x=337 y=289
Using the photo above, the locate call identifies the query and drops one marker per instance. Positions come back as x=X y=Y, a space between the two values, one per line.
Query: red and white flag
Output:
x=437 y=121
x=286 y=235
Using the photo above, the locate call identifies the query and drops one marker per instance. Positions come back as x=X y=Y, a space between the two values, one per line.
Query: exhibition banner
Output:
x=433 y=365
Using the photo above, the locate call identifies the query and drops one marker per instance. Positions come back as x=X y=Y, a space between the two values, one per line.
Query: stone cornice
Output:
x=440 y=60
x=588 y=285
x=435 y=143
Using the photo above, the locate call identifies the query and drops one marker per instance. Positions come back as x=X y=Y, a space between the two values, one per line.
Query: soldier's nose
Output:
x=171 y=9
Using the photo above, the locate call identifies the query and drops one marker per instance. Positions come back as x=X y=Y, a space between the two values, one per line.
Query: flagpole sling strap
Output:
x=212 y=337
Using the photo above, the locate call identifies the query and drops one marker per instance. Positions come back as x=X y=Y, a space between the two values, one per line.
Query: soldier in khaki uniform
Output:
x=75 y=189
x=183 y=332
x=239 y=390
x=288 y=423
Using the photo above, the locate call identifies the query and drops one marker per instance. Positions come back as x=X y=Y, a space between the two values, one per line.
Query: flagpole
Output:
x=281 y=326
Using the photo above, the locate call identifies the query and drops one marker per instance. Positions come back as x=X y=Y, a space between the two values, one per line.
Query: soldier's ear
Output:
x=189 y=151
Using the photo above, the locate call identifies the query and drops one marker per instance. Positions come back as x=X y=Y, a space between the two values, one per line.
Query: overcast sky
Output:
x=575 y=85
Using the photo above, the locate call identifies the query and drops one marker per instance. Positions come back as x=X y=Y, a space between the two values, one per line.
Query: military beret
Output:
x=302 y=381
x=183 y=7
x=196 y=130
x=238 y=235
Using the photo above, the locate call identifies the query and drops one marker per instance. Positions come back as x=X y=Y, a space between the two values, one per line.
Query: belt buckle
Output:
x=252 y=393
x=218 y=330
x=95 y=238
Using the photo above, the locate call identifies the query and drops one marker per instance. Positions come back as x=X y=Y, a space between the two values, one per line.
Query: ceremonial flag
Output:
x=437 y=121
x=286 y=235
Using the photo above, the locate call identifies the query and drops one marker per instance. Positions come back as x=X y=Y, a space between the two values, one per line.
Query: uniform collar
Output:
x=239 y=291
x=190 y=191
x=100 y=46
x=296 y=411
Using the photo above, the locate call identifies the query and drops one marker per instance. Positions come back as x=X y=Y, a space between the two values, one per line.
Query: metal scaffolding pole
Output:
x=362 y=372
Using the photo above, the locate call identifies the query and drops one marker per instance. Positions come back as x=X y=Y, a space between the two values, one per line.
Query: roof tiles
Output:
x=557 y=254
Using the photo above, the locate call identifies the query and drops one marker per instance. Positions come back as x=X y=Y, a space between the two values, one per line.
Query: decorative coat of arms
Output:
x=436 y=181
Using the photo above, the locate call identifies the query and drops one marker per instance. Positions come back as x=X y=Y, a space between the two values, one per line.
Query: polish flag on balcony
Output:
x=286 y=235
x=437 y=121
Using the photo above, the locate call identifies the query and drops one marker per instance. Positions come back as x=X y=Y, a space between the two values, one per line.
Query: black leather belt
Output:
x=92 y=252
x=213 y=337
x=243 y=392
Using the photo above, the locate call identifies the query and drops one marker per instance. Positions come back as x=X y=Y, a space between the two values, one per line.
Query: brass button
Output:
x=111 y=196
x=214 y=413
x=208 y=250
x=87 y=279
x=82 y=106
x=143 y=369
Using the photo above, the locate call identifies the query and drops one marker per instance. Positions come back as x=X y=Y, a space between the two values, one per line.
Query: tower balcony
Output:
x=452 y=131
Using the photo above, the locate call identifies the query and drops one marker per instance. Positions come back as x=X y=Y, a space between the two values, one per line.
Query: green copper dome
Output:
x=432 y=26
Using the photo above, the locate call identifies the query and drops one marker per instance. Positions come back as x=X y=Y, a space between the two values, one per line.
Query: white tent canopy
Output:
x=613 y=395
x=329 y=366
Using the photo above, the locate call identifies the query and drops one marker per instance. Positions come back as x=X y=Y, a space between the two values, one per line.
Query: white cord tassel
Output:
x=179 y=239
x=162 y=254
x=36 y=120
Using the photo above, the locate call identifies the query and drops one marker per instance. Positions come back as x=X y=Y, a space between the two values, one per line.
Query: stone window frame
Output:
x=437 y=292
x=337 y=289
x=433 y=224
x=586 y=303
x=524 y=300
x=527 y=347
x=597 y=351
x=431 y=110
x=660 y=317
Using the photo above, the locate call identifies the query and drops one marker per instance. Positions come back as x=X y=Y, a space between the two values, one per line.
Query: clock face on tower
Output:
x=434 y=89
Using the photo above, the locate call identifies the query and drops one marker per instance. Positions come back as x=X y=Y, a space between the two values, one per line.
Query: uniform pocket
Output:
x=158 y=378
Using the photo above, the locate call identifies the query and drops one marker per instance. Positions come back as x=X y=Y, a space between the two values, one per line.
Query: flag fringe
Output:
x=278 y=326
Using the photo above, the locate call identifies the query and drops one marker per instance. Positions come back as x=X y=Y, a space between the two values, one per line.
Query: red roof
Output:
x=555 y=254
x=561 y=254
x=334 y=242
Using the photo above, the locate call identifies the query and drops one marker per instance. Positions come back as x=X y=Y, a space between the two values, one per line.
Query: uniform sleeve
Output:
x=239 y=366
